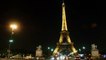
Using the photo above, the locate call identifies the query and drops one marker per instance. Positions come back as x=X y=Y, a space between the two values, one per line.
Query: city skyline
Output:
x=40 y=23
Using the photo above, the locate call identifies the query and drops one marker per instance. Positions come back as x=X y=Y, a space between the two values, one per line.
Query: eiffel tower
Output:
x=64 y=46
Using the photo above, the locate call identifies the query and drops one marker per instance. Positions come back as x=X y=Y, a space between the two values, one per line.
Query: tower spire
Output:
x=64 y=23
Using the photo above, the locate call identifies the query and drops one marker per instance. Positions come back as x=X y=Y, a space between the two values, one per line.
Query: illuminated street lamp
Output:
x=52 y=50
x=79 y=50
x=10 y=41
x=48 y=48
x=13 y=27
x=83 y=47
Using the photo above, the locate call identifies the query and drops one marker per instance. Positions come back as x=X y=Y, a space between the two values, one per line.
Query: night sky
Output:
x=40 y=23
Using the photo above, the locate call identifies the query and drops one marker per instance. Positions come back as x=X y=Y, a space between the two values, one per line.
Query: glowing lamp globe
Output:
x=13 y=26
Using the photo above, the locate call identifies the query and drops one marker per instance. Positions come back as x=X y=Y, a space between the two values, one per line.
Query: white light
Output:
x=58 y=58
x=62 y=57
x=13 y=26
x=81 y=55
x=10 y=41
x=79 y=49
x=51 y=49
x=71 y=53
x=104 y=56
x=52 y=58
x=83 y=47
x=48 y=47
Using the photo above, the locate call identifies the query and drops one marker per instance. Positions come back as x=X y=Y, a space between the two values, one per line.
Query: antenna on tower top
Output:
x=63 y=2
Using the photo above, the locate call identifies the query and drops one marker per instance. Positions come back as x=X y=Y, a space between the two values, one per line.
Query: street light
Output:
x=79 y=50
x=48 y=48
x=83 y=47
x=52 y=50
x=13 y=27
x=10 y=41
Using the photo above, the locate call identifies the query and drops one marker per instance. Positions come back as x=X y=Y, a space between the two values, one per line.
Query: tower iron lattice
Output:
x=64 y=46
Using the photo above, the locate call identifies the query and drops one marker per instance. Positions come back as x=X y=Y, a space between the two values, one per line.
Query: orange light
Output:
x=13 y=26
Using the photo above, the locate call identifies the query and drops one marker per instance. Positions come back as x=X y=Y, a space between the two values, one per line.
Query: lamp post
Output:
x=10 y=41
x=13 y=27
